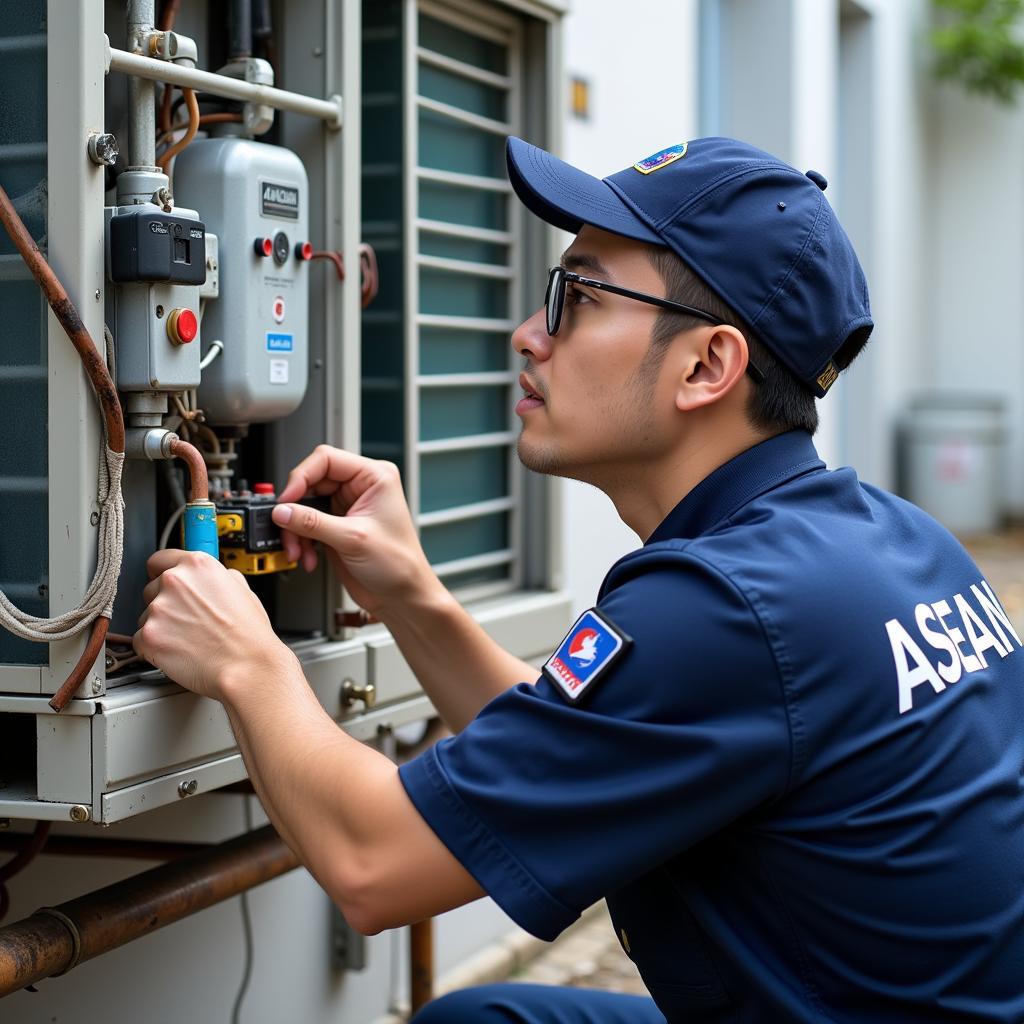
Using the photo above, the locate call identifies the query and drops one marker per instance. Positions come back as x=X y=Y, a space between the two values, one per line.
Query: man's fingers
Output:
x=161 y=561
x=310 y=524
x=324 y=463
x=150 y=590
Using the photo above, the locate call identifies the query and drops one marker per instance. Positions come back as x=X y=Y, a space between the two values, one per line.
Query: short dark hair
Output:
x=778 y=403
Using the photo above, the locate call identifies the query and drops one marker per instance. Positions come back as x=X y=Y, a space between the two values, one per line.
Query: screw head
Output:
x=79 y=813
x=97 y=686
x=103 y=149
x=94 y=519
x=96 y=295
x=188 y=787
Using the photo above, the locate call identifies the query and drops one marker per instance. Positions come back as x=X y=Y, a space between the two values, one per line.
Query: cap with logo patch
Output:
x=759 y=232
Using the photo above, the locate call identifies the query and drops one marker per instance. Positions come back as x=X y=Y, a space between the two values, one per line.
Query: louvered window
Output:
x=441 y=93
x=23 y=392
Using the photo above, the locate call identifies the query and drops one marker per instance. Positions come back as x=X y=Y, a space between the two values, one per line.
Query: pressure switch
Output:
x=256 y=198
x=158 y=263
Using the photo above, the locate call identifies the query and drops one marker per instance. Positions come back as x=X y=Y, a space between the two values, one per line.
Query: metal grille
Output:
x=23 y=363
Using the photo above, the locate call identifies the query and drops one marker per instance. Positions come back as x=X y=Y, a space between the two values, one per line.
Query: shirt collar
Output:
x=738 y=481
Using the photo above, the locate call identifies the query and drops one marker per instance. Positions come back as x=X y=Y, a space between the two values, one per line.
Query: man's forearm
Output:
x=340 y=805
x=459 y=666
x=315 y=783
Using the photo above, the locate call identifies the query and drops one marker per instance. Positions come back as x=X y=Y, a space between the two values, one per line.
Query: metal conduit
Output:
x=134 y=64
x=53 y=940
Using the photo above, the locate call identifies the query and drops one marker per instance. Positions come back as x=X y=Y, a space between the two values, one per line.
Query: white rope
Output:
x=99 y=598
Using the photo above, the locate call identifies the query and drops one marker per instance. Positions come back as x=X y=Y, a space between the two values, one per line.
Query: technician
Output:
x=787 y=743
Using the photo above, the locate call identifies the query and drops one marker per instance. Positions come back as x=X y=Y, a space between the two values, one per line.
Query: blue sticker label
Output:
x=661 y=159
x=589 y=648
x=279 y=342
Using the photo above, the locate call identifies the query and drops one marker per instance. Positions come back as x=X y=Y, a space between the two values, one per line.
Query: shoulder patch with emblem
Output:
x=589 y=649
x=661 y=159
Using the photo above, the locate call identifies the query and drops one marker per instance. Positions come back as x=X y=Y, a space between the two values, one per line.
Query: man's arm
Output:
x=372 y=544
x=340 y=805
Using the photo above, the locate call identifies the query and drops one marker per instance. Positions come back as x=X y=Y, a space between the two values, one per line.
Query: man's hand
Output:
x=202 y=625
x=370 y=539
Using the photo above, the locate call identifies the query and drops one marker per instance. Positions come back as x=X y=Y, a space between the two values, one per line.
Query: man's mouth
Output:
x=531 y=396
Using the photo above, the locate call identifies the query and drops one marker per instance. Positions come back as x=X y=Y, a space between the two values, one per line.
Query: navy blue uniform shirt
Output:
x=800 y=786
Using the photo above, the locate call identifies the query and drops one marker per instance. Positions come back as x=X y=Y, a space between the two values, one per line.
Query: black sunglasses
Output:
x=554 y=304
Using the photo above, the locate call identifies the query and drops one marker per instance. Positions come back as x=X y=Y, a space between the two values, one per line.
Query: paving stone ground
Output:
x=591 y=956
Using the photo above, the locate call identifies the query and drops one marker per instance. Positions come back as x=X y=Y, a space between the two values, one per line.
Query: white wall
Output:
x=976 y=307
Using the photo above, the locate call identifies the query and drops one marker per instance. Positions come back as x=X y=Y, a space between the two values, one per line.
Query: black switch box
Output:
x=150 y=245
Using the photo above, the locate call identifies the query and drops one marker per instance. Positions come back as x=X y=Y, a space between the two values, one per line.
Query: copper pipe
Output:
x=369 y=276
x=65 y=311
x=199 y=483
x=193 y=126
x=54 y=940
x=335 y=257
x=59 y=700
x=220 y=118
x=124 y=849
x=354 y=619
x=421 y=963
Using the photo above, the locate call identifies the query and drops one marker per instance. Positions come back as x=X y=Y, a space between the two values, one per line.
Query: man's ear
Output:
x=714 y=364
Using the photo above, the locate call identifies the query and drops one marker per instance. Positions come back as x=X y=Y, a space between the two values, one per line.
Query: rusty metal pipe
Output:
x=65 y=311
x=199 y=483
x=113 y=421
x=421 y=963
x=53 y=940
x=59 y=700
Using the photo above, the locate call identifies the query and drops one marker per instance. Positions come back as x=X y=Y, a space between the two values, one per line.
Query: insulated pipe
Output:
x=239 y=30
x=141 y=93
x=55 y=939
x=135 y=65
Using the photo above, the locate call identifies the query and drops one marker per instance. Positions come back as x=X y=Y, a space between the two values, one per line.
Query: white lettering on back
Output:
x=957 y=653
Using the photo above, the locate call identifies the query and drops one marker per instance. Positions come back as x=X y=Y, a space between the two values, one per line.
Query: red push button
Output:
x=262 y=488
x=263 y=247
x=304 y=250
x=182 y=326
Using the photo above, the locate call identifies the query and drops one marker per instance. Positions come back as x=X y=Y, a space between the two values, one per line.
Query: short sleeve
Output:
x=550 y=805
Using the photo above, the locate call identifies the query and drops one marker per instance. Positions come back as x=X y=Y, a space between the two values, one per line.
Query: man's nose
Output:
x=531 y=339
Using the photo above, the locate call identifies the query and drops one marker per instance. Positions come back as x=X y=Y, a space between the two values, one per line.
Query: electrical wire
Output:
x=193 y=126
x=165 y=535
x=243 y=900
x=216 y=347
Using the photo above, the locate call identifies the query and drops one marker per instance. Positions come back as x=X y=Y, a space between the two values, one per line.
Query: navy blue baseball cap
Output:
x=760 y=233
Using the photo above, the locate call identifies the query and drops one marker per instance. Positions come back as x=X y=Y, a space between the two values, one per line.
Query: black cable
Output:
x=246 y=932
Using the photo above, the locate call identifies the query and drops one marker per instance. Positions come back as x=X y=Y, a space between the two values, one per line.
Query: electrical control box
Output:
x=255 y=197
x=150 y=245
x=158 y=261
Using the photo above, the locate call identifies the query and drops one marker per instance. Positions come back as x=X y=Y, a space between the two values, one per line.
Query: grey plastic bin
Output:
x=952 y=459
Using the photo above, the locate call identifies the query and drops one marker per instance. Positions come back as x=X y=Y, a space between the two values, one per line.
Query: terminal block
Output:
x=250 y=541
